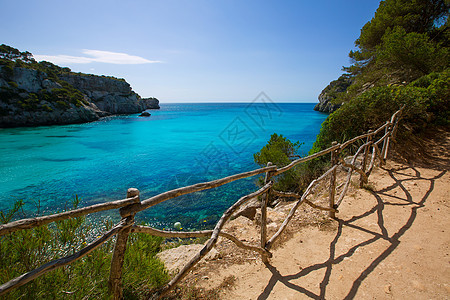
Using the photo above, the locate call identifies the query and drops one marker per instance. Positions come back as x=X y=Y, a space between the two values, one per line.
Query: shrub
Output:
x=45 y=107
x=25 y=250
x=426 y=103
x=62 y=104
x=279 y=151
x=13 y=84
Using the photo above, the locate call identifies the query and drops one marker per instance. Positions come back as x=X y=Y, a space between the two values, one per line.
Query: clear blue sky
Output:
x=194 y=51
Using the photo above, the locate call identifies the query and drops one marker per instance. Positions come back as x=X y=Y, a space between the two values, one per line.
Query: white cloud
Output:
x=96 y=56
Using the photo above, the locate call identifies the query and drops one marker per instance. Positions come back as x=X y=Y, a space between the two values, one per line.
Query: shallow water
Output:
x=180 y=144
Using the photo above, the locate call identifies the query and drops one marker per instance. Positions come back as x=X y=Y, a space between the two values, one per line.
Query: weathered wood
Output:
x=383 y=138
x=379 y=129
x=386 y=144
x=377 y=151
x=352 y=165
x=297 y=196
x=320 y=207
x=170 y=234
x=192 y=234
x=293 y=209
x=372 y=161
x=213 y=240
x=286 y=194
x=350 y=172
x=131 y=205
x=264 y=200
x=392 y=129
x=351 y=141
x=240 y=244
x=366 y=155
x=305 y=159
x=349 y=176
x=115 y=274
x=39 y=221
x=22 y=279
x=332 y=190
x=397 y=120
x=125 y=211
x=398 y=112
x=344 y=190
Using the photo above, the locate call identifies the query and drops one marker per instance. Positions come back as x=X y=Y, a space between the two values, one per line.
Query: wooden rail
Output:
x=132 y=205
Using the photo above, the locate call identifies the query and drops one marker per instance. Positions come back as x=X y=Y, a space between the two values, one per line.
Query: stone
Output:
x=328 y=94
x=176 y=258
x=248 y=210
x=145 y=114
x=102 y=95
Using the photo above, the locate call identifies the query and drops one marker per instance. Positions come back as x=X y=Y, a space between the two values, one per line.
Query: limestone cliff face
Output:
x=108 y=94
x=329 y=94
x=29 y=97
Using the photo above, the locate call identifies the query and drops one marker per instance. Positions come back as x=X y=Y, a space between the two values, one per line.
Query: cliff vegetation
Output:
x=40 y=93
x=402 y=58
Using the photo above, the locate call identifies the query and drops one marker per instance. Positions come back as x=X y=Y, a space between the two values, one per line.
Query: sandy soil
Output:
x=389 y=241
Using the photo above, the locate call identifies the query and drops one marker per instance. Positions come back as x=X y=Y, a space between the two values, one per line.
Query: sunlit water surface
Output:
x=180 y=144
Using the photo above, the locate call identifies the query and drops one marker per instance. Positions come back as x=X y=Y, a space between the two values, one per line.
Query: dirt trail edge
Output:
x=389 y=241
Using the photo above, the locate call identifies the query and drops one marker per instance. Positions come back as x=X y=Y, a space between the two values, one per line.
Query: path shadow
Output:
x=393 y=239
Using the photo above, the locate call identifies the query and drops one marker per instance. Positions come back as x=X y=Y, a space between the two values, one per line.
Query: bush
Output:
x=13 y=84
x=62 y=104
x=45 y=107
x=426 y=103
x=279 y=151
x=26 y=250
x=7 y=70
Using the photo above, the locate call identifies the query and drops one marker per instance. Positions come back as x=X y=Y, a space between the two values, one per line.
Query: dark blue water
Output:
x=180 y=144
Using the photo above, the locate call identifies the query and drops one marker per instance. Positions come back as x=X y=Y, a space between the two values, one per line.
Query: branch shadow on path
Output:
x=393 y=240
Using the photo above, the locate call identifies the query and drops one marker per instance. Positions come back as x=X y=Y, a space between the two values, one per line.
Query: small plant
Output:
x=13 y=84
x=62 y=104
x=279 y=151
x=25 y=250
x=45 y=107
x=369 y=187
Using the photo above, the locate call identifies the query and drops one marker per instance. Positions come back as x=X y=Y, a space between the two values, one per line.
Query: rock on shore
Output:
x=31 y=97
x=329 y=94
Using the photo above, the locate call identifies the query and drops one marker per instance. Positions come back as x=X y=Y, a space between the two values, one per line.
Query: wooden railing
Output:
x=132 y=204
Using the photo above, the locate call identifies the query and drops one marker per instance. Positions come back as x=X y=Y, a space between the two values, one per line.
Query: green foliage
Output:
x=336 y=90
x=26 y=250
x=47 y=108
x=13 y=84
x=12 y=54
x=143 y=271
x=413 y=15
x=426 y=103
x=279 y=151
x=410 y=55
x=66 y=94
x=403 y=58
x=404 y=41
x=7 y=70
x=62 y=104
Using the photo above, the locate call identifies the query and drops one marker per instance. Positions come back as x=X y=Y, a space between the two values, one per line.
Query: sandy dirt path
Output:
x=389 y=241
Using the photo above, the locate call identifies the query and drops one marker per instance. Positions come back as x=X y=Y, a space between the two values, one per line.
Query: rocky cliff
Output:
x=328 y=102
x=30 y=97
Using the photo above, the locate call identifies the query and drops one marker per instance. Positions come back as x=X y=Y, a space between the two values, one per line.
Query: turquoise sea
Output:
x=180 y=144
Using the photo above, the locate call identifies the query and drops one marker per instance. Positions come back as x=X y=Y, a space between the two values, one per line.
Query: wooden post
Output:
x=385 y=143
x=366 y=155
x=115 y=275
x=264 y=201
x=334 y=158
